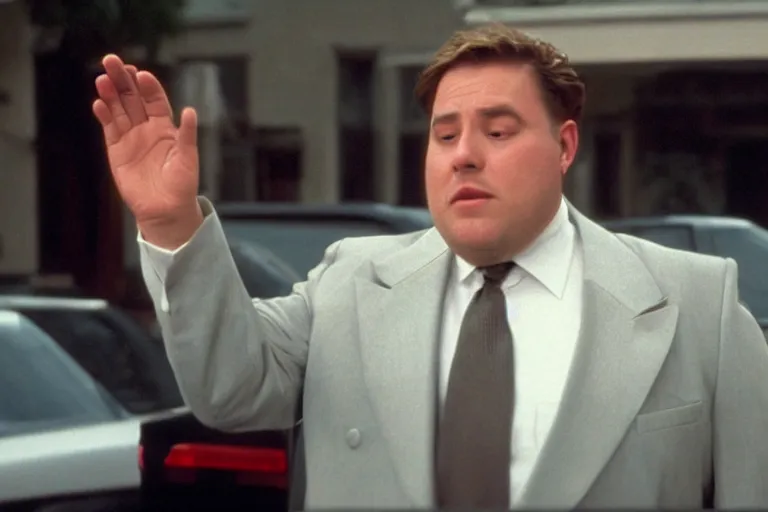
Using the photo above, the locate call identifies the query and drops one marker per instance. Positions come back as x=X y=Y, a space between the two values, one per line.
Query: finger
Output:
x=156 y=103
x=108 y=94
x=126 y=89
x=112 y=133
x=132 y=72
x=188 y=128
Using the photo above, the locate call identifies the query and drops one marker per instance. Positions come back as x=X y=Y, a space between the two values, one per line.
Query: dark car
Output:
x=108 y=343
x=727 y=237
x=298 y=234
x=263 y=273
x=188 y=466
x=243 y=471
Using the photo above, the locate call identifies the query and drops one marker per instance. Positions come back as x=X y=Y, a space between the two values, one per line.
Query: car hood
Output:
x=71 y=460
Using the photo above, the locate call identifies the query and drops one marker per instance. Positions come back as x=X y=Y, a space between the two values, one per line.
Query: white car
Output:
x=63 y=439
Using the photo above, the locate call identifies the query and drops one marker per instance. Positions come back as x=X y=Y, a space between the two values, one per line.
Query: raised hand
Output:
x=154 y=163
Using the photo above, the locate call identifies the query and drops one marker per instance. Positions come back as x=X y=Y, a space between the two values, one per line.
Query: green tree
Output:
x=91 y=28
x=80 y=229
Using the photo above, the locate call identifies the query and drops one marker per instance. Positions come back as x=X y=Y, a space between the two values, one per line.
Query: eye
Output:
x=499 y=135
x=447 y=138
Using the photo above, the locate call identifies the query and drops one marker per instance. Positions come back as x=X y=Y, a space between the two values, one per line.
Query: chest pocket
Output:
x=669 y=418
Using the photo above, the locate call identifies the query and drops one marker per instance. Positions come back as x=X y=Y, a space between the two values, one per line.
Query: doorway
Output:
x=747 y=179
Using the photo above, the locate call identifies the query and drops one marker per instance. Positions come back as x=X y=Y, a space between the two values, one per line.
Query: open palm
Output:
x=154 y=163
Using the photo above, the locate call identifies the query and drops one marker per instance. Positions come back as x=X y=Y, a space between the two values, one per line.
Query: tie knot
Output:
x=495 y=274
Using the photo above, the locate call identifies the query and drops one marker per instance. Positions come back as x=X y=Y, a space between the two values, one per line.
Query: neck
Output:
x=508 y=248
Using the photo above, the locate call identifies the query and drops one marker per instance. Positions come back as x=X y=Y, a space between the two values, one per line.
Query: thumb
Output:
x=188 y=128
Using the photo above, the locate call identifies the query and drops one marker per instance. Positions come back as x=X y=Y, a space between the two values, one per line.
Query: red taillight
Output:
x=141 y=457
x=252 y=466
x=231 y=458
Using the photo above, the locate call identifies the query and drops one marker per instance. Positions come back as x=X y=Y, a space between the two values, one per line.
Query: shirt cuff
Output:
x=160 y=260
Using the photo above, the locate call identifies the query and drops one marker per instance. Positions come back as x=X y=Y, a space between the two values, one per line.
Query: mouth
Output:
x=470 y=194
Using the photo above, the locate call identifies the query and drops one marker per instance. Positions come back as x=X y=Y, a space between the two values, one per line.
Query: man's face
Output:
x=495 y=160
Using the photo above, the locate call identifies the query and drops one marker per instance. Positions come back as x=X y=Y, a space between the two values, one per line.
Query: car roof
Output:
x=62 y=303
x=360 y=210
x=701 y=221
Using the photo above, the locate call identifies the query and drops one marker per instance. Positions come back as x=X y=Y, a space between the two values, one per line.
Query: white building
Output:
x=320 y=108
x=18 y=186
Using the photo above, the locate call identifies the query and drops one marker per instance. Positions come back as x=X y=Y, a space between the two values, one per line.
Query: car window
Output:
x=675 y=237
x=299 y=243
x=264 y=274
x=749 y=248
x=42 y=386
x=131 y=365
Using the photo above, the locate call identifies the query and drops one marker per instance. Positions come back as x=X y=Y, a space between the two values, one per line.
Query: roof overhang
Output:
x=605 y=32
x=208 y=13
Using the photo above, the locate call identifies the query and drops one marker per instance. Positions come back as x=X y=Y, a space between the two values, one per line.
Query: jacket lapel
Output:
x=627 y=330
x=399 y=304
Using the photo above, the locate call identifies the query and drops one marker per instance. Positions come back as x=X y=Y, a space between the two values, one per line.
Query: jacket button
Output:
x=353 y=438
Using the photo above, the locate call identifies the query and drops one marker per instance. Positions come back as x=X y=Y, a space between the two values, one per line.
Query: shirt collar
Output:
x=547 y=259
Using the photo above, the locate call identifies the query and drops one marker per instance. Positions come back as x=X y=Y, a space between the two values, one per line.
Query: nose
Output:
x=468 y=154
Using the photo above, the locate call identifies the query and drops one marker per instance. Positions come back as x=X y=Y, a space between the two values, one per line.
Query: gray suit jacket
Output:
x=666 y=403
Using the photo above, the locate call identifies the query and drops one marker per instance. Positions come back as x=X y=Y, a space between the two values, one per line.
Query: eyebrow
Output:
x=487 y=113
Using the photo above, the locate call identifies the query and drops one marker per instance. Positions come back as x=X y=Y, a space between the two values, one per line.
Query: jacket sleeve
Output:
x=239 y=363
x=740 y=407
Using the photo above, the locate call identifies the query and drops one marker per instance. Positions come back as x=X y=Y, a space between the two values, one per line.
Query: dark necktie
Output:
x=473 y=448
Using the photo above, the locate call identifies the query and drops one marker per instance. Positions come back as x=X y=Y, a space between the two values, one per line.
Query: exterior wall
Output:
x=291 y=48
x=292 y=75
x=614 y=31
x=292 y=71
x=18 y=185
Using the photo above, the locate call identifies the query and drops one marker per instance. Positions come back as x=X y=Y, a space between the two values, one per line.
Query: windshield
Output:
x=300 y=243
x=749 y=248
x=115 y=352
x=43 y=387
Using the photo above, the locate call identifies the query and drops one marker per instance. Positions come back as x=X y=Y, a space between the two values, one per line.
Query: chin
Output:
x=472 y=234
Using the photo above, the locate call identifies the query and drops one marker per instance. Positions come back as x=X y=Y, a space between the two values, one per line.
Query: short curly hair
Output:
x=564 y=93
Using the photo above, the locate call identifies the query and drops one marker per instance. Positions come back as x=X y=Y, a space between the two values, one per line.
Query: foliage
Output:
x=94 y=27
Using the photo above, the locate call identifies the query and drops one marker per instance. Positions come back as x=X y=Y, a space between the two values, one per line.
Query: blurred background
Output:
x=310 y=101
x=310 y=133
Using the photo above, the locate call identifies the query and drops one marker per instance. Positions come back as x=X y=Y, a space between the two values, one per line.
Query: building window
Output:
x=227 y=145
x=279 y=157
x=356 y=126
x=232 y=73
x=412 y=143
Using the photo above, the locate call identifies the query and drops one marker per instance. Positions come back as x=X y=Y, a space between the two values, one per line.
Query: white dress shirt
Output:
x=544 y=294
x=544 y=300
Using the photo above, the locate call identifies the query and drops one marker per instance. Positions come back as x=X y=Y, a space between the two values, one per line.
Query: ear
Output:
x=569 y=144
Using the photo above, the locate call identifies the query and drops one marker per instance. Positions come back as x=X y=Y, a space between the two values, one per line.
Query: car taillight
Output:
x=234 y=458
x=141 y=457
x=251 y=466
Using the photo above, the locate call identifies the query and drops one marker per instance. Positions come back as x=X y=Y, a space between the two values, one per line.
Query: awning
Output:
x=593 y=32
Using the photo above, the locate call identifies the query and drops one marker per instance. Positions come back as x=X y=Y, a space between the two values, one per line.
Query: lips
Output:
x=469 y=194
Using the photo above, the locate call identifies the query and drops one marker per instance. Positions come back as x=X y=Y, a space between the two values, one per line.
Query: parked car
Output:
x=263 y=273
x=65 y=442
x=131 y=368
x=292 y=234
x=112 y=348
x=188 y=466
x=727 y=237
x=298 y=234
